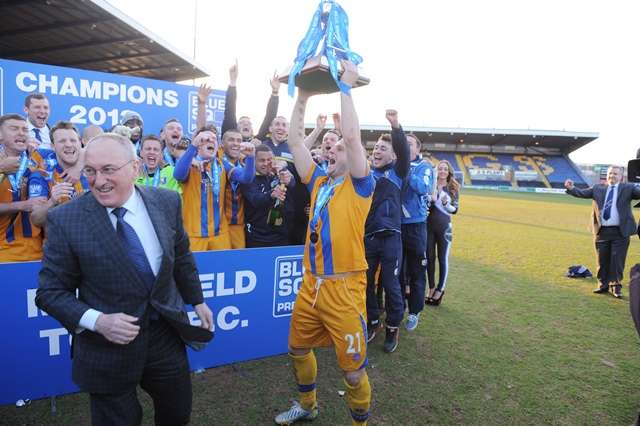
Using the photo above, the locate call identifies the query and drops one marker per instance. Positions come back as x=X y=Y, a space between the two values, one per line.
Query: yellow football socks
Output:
x=306 y=370
x=359 y=400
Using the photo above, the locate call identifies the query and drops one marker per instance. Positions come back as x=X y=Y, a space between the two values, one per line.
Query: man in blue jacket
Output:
x=382 y=240
x=415 y=192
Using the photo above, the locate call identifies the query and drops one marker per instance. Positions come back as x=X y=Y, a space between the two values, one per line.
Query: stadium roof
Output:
x=553 y=140
x=91 y=35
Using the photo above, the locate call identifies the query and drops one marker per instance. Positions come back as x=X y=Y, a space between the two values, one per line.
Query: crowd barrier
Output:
x=251 y=293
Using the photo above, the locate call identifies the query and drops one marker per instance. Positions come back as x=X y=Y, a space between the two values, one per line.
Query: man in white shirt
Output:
x=612 y=224
x=125 y=251
x=36 y=106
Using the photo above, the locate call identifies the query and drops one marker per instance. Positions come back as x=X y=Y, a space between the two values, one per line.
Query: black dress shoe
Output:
x=602 y=289
x=617 y=291
x=436 y=302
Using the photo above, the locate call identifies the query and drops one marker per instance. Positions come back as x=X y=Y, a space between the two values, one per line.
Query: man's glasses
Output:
x=106 y=170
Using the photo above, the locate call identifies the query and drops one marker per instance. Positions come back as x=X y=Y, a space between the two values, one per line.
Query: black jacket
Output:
x=257 y=203
x=230 y=123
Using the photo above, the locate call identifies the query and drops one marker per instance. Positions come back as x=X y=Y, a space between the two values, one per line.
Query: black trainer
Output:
x=391 y=339
x=373 y=328
x=617 y=291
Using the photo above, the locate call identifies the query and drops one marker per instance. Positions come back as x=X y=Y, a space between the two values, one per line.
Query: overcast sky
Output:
x=543 y=64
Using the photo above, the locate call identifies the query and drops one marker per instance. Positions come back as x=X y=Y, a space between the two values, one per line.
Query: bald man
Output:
x=125 y=251
x=90 y=132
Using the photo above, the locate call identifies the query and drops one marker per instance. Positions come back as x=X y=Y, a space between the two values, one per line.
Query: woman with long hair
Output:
x=444 y=204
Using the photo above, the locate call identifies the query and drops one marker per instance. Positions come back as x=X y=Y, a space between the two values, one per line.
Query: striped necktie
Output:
x=606 y=213
x=36 y=131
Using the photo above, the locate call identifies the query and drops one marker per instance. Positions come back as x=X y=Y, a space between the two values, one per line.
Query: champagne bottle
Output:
x=276 y=212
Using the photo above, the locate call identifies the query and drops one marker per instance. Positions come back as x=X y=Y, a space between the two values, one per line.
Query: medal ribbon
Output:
x=325 y=193
x=214 y=178
x=167 y=157
x=156 y=177
x=16 y=178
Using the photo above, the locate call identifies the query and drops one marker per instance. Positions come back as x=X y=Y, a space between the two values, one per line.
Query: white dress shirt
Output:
x=614 y=219
x=44 y=135
x=138 y=217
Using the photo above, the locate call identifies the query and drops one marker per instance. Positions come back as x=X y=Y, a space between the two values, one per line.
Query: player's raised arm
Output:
x=301 y=155
x=356 y=155
x=311 y=139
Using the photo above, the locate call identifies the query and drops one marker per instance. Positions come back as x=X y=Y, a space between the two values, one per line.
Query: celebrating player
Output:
x=330 y=307
x=203 y=186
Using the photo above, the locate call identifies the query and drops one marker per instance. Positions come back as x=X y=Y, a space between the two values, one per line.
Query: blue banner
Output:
x=251 y=293
x=90 y=97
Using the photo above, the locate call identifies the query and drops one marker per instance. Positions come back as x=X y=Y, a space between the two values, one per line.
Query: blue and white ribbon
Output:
x=167 y=157
x=156 y=176
x=214 y=178
x=16 y=179
x=333 y=29
x=325 y=193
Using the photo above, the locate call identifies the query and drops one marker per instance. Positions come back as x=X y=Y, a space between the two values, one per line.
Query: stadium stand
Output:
x=521 y=159
x=91 y=35
x=560 y=169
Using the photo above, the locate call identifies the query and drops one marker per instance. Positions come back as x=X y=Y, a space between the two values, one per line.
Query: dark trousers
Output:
x=611 y=248
x=166 y=378
x=439 y=239
x=384 y=249
x=414 y=264
x=251 y=243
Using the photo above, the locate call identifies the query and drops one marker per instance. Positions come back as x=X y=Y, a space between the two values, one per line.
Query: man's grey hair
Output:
x=125 y=143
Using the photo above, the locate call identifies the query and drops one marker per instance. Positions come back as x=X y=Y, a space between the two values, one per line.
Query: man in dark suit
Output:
x=125 y=251
x=612 y=225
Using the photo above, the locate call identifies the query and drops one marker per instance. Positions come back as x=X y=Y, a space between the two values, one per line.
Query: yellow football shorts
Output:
x=219 y=242
x=332 y=312
x=236 y=234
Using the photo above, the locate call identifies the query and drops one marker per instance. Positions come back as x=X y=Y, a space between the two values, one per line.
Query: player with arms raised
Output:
x=330 y=308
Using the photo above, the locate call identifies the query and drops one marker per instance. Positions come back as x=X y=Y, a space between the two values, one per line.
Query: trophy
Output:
x=319 y=70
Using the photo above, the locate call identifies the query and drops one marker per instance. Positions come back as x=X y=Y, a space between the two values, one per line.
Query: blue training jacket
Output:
x=384 y=214
x=416 y=190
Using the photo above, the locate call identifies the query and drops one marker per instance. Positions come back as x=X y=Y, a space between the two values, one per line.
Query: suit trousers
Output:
x=166 y=378
x=611 y=248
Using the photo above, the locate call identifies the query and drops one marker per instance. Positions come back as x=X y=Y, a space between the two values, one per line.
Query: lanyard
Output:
x=16 y=178
x=156 y=176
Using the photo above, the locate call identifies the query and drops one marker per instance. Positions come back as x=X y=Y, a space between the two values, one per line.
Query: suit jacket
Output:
x=598 y=193
x=83 y=253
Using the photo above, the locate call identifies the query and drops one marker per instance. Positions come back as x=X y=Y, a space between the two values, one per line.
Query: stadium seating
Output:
x=558 y=169
x=551 y=171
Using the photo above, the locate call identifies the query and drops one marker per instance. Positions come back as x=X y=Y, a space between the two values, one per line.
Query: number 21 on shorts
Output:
x=354 y=343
